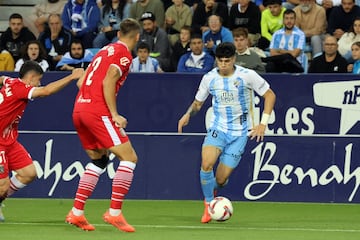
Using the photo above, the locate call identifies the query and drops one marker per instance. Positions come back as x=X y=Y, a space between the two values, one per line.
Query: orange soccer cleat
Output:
x=206 y=218
x=118 y=221
x=79 y=221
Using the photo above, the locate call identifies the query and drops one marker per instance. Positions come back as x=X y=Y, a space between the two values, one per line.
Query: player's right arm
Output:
x=109 y=89
x=192 y=110
x=56 y=86
x=81 y=79
x=2 y=80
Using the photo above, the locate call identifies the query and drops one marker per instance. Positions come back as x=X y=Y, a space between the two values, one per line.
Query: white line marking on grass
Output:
x=211 y=226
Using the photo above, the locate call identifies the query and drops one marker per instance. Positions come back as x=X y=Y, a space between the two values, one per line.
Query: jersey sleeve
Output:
x=19 y=89
x=259 y=84
x=122 y=61
x=203 y=91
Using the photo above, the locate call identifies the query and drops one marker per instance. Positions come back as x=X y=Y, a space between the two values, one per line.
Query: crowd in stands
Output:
x=295 y=36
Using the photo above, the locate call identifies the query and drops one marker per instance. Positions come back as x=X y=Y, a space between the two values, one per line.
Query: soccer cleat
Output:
x=206 y=218
x=2 y=218
x=79 y=221
x=118 y=221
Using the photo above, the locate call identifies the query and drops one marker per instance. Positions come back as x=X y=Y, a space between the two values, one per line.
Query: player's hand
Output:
x=120 y=121
x=258 y=132
x=77 y=73
x=184 y=120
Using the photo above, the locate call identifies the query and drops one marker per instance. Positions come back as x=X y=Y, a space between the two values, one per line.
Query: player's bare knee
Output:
x=206 y=167
x=4 y=186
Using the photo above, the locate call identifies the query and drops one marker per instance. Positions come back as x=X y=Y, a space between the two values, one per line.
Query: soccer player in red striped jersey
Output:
x=101 y=128
x=15 y=94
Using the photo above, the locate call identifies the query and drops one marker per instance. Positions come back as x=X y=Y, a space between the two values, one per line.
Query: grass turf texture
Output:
x=43 y=219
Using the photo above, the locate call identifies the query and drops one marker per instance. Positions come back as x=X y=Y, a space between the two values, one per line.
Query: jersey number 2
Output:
x=95 y=64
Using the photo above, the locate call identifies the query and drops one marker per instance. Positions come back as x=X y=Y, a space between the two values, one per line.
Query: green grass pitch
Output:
x=43 y=219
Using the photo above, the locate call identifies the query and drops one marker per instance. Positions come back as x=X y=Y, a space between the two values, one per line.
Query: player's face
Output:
x=35 y=79
x=143 y=55
x=76 y=50
x=196 y=46
x=16 y=24
x=355 y=52
x=289 y=21
x=225 y=66
x=33 y=51
x=241 y=43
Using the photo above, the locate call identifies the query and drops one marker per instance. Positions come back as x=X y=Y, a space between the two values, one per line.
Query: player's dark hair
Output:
x=129 y=26
x=30 y=66
x=225 y=50
x=195 y=36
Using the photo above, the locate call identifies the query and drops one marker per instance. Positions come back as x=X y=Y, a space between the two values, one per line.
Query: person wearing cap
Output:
x=155 y=6
x=157 y=40
x=231 y=121
x=271 y=21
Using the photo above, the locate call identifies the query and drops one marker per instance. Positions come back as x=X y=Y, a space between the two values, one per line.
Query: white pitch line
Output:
x=211 y=226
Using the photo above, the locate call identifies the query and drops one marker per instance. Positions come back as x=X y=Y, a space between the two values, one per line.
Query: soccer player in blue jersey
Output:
x=230 y=125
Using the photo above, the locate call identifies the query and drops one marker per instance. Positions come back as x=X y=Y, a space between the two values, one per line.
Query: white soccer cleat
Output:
x=2 y=218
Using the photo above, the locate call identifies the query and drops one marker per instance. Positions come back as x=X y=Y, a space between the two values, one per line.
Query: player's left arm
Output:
x=259 y=130
x=81 y=79
x=192 y=110
x=109 y=89
x=56 y=86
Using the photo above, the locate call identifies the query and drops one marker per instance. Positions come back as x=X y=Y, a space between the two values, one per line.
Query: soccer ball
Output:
x=220 y=209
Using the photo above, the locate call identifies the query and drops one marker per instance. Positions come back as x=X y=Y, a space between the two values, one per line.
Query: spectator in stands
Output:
x=355 y=50
x=197 y=60
x=204 y=10
x=330 y=61
x=56 y=40
x=157 y=40
x=34 y=51
x=15 y=36
x=77 y=57
x=328 y=5
x=111 y=14
x=290 y=4
x=246 y=14
x=6 y=61
x=143 y=62
x=81 y=18
x=342 y=18
x=286 y=47
x=348 y=38
x=311 y=19
x=154 y=6
x=271 y=21
x=216 y=34
x=182 y=45
x=41 y=12
x=176 y=16
x=244 y=56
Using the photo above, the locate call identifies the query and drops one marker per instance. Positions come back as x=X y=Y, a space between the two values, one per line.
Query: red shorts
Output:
x=13 y=157
x=97 y=132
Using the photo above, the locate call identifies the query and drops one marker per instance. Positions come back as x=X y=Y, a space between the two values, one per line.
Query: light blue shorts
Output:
x=232 y=147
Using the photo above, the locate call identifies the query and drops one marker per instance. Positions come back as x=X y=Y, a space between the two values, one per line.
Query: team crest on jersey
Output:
x=124 y=61
x=236 y=83
x=2 y=169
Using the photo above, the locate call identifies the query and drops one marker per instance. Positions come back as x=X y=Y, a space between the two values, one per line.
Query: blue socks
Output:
x=208 y=183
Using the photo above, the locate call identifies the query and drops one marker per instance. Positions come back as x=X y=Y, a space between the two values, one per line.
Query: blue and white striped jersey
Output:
x=232 y=98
